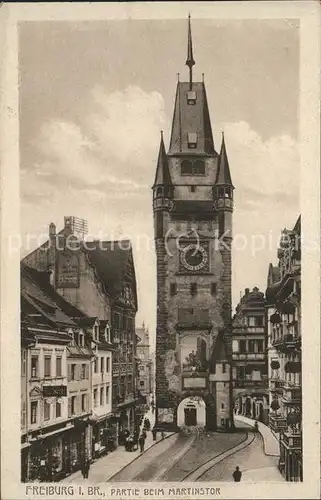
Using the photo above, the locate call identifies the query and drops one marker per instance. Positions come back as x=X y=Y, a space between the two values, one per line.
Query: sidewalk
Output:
x=270 y=442
x=106 y=467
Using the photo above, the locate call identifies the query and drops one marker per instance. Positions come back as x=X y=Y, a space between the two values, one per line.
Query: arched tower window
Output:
x=159 y=191
x=186 y=167
x=199 y=167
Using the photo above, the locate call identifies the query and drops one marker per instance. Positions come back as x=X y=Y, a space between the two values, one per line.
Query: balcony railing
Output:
x=255 y=356
x=277 y=423
x=291 y=394
x=292 y=440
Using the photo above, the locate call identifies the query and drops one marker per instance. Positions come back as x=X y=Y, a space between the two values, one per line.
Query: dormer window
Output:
x=81 y=339
x=192 y=140
x=191 y=97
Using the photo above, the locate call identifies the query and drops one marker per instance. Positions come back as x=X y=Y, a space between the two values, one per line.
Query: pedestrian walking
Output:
x=237 y=474
x=144 y=434
x=141 y=443
x=154 y=432
x=82 y=468
x=163 y=434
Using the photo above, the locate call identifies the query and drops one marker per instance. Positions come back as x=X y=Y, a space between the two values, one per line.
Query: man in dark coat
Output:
x=141 y=443
x=237 y=474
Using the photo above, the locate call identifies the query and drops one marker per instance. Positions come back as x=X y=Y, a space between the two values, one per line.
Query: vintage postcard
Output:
x=160 y=250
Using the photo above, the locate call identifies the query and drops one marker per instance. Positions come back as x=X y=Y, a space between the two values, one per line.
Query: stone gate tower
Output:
x=193 y=205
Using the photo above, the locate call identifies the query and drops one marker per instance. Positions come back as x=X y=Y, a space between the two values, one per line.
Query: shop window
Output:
x=58 y=366
x=47 y=370
x=33 y=412
x=34 y=366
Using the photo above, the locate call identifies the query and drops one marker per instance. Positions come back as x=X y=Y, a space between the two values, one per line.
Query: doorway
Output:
x=190 y=416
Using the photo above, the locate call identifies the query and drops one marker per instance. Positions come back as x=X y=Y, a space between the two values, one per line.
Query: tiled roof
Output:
x=191 y=118
x=162 y=177
x=110 y=260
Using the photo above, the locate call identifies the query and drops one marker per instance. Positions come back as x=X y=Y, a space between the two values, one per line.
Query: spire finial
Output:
x=203 y=77
x=190 y=60
x=161 y=134
x=178 y=77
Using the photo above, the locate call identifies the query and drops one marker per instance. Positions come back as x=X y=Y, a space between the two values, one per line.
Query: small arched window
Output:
x=199 y=167
x=186 y=167
x=159 y=191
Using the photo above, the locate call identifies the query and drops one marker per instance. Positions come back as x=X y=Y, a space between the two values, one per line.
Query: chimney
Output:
x=68 y=226
x=247 y=291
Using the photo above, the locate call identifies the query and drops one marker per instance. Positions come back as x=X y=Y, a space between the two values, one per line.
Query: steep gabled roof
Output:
x=223 y=176
x=162 y=177
x=111 y=260
x=191 y=118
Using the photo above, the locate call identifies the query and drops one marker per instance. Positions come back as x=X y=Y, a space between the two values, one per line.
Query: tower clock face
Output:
x=194 y=257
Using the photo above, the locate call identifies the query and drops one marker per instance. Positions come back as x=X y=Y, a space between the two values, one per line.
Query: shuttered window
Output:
x=46 y=410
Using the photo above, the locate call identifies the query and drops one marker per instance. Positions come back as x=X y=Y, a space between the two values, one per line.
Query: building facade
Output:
x=98 y=279
x=45 y=336
x=283 y=297
x=193 y=205
x=145 y=374
x=249 y=346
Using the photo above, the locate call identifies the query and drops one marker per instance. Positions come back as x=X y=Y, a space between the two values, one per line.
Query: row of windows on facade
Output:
x=76 y=404
x=123 y=388
x=186 y=169
x=123 y=322
x=75 y=371
x=99 y=334
x=248 y=346
x=193 y=288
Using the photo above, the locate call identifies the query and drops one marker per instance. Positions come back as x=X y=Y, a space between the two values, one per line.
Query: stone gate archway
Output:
x=191 y=412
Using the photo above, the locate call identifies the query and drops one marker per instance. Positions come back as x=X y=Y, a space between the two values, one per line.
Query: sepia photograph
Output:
x=161 y=199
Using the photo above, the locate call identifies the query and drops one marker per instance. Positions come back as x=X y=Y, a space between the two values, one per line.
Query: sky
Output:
x=93 y=98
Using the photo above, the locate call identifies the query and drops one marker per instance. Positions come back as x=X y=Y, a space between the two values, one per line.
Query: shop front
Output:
x=104 y=436
x=45 y=459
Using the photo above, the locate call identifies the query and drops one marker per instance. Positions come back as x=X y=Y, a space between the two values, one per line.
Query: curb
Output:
x=260 y=432
x=138 y=456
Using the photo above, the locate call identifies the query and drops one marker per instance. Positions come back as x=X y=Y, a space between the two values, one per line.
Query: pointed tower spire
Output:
x=190 y=60
x=162 y=177
x=223 y=176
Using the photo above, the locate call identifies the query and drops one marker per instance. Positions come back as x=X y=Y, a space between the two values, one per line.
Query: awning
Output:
x=52 y=433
